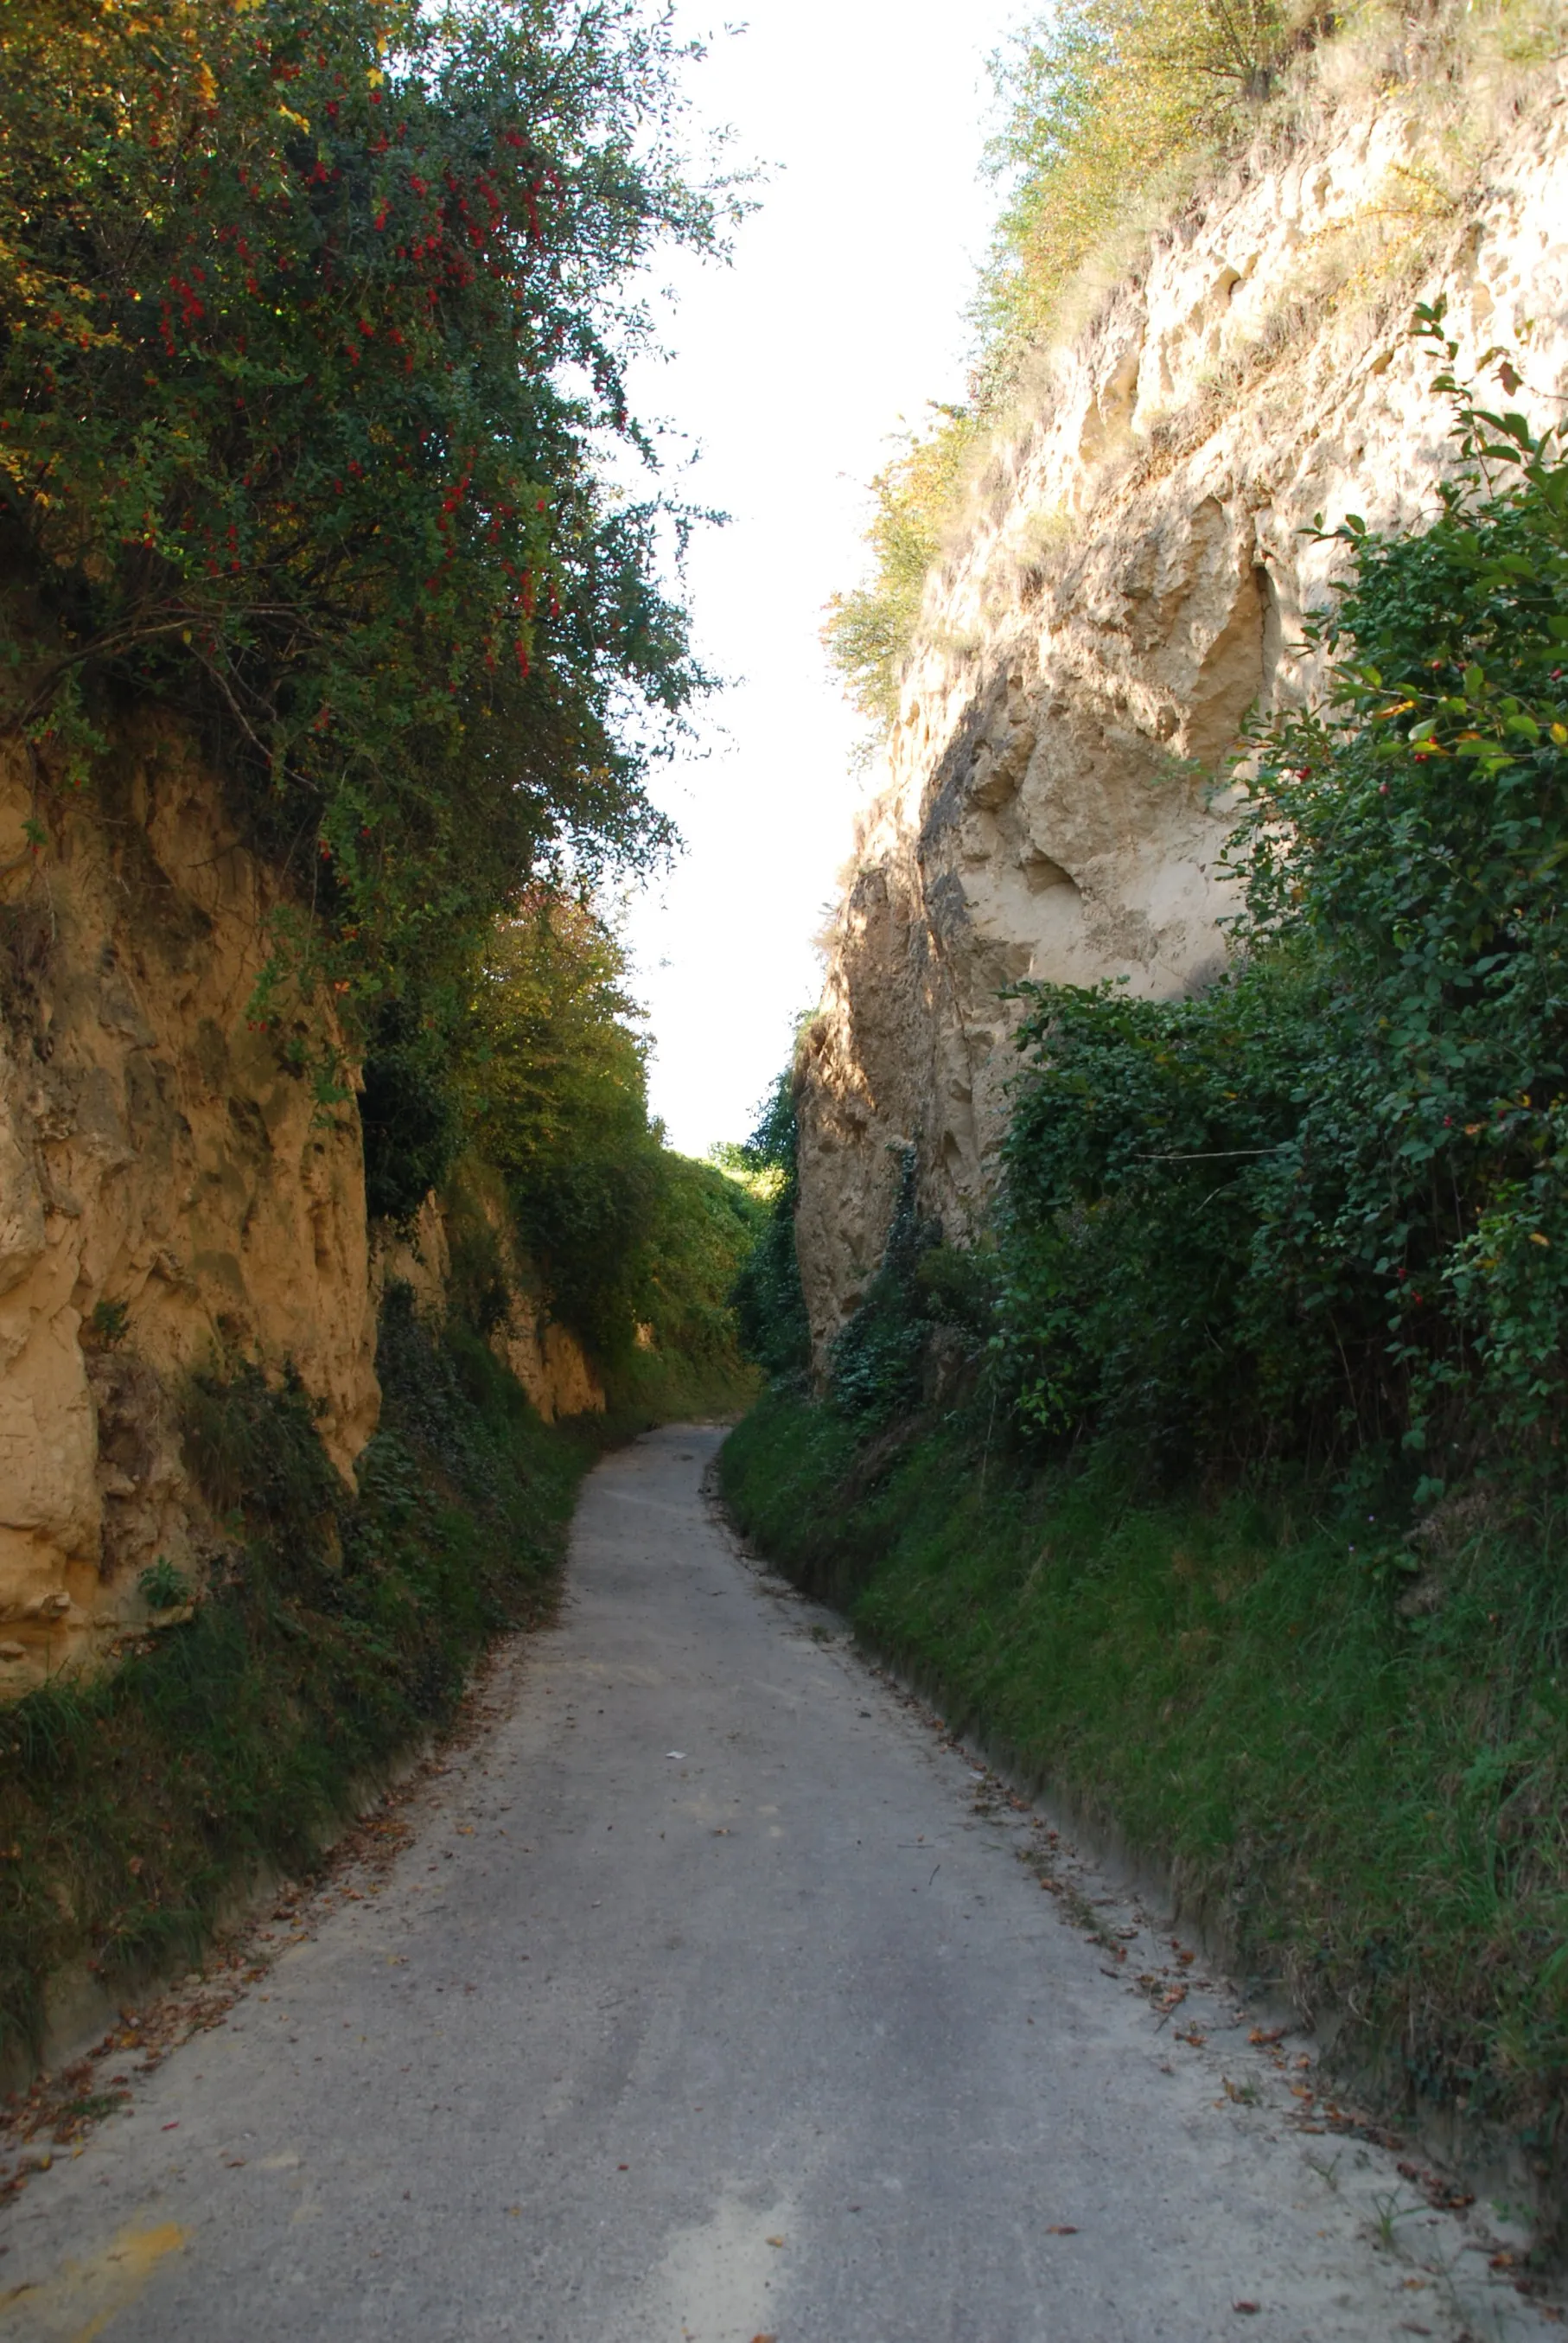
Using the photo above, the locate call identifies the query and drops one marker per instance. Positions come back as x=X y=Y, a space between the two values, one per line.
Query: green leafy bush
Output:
x=704 y=1228
x=624 y=1234
x=555 y=1090
x=1321 y=1208
x=410 y=1116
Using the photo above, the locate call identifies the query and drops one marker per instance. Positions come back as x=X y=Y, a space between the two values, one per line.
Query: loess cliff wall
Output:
x=1130 y=579
x=172 y=1196
x=545 y=1356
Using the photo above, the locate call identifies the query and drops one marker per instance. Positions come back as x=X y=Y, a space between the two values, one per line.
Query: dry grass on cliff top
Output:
x=1351 y=1754
x=1120 y=114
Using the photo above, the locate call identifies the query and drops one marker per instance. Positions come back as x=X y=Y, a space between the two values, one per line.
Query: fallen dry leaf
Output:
x=775 y=2241
x=1062 y=2229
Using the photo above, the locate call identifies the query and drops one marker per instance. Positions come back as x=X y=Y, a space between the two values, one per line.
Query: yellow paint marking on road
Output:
x=97 y=2290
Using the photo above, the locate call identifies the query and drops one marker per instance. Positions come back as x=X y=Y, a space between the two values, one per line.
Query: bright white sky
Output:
x=842 y=312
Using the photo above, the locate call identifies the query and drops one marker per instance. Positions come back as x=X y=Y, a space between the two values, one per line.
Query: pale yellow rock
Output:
x=1130 y=580
x=157 y=1158
x=546 y=1357
x=160 y=1166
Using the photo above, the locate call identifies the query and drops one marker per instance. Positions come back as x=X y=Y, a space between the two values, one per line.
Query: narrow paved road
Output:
x=709 y=2001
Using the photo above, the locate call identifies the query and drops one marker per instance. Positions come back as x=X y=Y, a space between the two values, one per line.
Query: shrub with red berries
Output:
x=314 y=324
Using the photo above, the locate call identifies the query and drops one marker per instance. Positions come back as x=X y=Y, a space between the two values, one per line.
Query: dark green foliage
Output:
x=254 y=1450
x=338 y=1629
x=874 y=1367
x=588 y=1226
x=163 y=1585
x=1125 y=1236
x=480 y=1274
x=557 y=1094
x=411 y=1122
x=107 y=1323
x=315 y=317
x=1352 y=1747
x=1321 y=1210
x=960 y=1285
x=770 y=1305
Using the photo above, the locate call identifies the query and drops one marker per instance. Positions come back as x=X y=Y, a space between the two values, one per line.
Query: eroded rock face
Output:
x=546 y=1358
x=1132 y=580
x=169 y=1192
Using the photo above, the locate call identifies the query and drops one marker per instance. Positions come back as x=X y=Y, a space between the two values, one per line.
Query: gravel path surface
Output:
x=717 y=1995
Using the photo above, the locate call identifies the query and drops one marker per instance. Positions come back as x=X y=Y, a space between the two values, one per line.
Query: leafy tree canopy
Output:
x=556 y=1092
x=314 y=323
x=626 y=1234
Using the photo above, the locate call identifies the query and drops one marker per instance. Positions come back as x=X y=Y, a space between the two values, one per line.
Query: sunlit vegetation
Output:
x=625 y=1233
x=1220 y=1481
x=1112 y=115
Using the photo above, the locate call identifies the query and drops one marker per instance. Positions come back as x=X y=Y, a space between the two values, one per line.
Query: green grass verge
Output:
x=1357 y=1769
x=336 y=1631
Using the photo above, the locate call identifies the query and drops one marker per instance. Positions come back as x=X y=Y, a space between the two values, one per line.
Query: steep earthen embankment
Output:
x=172 y=1195
x=1130 y=579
